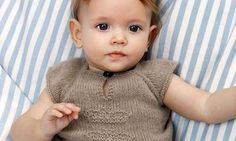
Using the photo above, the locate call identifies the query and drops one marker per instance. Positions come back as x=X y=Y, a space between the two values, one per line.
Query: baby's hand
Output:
x=57 y=117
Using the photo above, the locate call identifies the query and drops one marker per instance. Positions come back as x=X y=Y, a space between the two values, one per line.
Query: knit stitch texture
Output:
x=125 y=107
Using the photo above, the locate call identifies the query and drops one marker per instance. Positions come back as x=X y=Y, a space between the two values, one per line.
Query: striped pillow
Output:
x=201 y=35
x=13 y=103
x=33 y=36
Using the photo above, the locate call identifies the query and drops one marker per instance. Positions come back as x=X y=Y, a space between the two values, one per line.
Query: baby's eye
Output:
x=103 y=26
x=134 y=28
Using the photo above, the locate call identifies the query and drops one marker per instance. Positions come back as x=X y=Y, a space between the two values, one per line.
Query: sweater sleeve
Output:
x=53 y=82
x=60 y=77
x=169 y=68
x=159 y=74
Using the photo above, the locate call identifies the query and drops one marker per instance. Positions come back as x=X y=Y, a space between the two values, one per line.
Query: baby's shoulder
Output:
x=156 y=65
x=66 y=70
x=68 y=65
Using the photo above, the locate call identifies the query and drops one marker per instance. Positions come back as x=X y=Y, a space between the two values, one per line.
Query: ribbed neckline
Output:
x=85 y=69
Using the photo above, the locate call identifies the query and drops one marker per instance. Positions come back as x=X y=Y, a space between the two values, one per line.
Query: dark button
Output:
x=108 y=74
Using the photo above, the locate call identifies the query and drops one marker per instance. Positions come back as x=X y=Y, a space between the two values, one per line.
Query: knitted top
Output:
x=127 y=106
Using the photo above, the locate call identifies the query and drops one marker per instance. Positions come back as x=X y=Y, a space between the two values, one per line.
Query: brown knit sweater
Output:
x=125 y=107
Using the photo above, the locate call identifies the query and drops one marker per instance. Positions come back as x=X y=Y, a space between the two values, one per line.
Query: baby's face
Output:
x=114 y=33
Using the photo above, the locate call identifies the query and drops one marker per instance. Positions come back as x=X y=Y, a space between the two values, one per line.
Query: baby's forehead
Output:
x=106 y=7
x=113 y=3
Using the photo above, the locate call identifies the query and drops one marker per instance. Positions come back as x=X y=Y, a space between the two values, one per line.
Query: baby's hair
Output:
x=75 y=5
x=152 y=4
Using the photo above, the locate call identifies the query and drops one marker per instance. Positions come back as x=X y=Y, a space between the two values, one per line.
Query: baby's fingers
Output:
x=59 y=110
x=62 y=108
x=72 y=107
x=56 y=113
x=75 y=110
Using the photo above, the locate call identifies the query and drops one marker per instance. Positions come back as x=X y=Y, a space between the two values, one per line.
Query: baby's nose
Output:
x=119 y=39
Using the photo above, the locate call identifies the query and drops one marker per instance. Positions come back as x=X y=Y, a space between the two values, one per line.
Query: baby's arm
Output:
x=43 y=120
x=199 y=105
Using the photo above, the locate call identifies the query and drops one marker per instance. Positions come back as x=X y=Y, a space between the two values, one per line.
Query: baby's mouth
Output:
x=116 y=55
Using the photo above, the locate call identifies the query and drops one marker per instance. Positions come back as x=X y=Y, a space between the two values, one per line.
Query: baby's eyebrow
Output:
x=100 y=18
x=139 y=21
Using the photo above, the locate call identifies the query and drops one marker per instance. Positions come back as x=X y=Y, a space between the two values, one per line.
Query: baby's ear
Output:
x=75 y=31
x=154 y=30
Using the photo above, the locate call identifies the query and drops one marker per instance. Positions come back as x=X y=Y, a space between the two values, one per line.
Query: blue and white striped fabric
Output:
x=34 y=35
x=201 y=35
x=13 y=103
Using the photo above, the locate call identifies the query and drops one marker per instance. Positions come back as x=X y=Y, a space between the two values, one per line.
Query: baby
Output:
x=114 y=94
